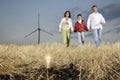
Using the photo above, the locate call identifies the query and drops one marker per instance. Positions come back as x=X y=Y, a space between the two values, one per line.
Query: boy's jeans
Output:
x=80 y=38
x=97 y=36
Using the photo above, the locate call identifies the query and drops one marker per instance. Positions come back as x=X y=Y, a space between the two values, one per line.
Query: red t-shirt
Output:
x=80 y=27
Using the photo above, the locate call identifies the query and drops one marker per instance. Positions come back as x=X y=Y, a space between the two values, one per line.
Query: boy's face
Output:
x=79 y=17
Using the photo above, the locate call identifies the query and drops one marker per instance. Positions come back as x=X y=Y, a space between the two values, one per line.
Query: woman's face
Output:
x=67 y=14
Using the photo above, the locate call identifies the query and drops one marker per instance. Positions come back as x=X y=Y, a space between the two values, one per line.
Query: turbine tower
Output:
x=38 y=29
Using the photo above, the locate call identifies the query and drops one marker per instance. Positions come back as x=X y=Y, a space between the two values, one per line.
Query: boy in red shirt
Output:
x=80 y=27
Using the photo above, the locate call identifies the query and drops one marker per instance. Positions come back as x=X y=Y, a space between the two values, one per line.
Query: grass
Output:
x=101 y=63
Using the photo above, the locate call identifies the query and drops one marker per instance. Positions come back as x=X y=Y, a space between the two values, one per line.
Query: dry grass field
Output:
x=28 y=62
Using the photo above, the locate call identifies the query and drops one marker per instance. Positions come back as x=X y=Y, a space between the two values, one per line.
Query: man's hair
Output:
x=94 y=6
x=66 y=13
x=79 y=15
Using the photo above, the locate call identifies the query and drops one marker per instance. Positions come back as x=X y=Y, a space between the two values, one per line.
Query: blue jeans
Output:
x=97 y=36
x=80 y=38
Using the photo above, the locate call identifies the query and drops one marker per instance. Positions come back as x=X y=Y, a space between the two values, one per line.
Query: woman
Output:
x=66 y=28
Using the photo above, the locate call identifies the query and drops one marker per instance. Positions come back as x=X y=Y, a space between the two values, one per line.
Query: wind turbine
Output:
x=38 y=29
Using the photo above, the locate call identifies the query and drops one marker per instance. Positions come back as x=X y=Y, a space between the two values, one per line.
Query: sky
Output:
x=20 y=17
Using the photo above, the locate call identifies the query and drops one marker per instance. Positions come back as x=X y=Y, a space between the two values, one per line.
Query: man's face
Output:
x=94 y=9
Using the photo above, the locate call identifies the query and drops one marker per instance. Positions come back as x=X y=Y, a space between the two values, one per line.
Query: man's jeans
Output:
x=97 y=36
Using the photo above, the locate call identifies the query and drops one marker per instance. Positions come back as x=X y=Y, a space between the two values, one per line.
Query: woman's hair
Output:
x=79 y=15
x=66 y=13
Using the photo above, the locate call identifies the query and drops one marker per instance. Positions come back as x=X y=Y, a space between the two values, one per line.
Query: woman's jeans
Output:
x=66 y=36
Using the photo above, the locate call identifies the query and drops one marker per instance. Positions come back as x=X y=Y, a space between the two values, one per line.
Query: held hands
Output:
x=72 y=31
x=89 y=30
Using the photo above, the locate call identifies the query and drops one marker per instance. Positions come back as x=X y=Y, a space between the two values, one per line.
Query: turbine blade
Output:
x=31 y=33
x=46 y=31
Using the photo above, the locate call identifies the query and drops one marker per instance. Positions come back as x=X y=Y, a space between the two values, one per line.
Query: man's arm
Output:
x=102 y=20
x=88 y=23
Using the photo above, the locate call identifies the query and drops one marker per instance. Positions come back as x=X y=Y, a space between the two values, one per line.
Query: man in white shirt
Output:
x=94 y=24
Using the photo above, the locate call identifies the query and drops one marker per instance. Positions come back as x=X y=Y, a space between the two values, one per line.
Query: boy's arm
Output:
x=85 y=26
x=75 y=27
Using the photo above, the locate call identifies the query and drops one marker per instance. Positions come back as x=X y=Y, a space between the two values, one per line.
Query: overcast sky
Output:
x=19 y=17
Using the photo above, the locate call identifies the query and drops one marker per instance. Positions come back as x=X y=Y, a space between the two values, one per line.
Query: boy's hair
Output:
x=66 y=13
x=79 y=15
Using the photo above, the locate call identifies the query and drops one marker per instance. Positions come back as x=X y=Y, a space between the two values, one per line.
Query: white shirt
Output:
x=65 y=24
x=95 y=21
x=80 y=21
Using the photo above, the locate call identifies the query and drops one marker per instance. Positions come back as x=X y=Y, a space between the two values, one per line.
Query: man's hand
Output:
x=89 y=30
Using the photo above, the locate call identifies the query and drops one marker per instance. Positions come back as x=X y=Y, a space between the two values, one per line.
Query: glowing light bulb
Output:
x=48 y=61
